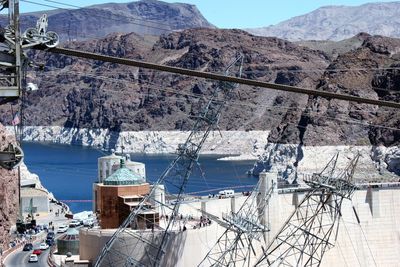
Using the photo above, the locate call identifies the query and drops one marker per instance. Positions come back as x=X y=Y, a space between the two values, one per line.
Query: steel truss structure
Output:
x=308 y=232
x=12 y=60
x=10 y=55
x=236 y=246
x=13 y=65
x=133 y=247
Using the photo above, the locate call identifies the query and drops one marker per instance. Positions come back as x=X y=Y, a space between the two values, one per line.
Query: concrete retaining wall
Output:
x=373 y=242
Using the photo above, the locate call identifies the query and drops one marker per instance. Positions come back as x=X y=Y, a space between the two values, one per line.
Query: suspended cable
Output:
x=128 y=20
x=214 y=76
x=307 y=112
x=91 y=7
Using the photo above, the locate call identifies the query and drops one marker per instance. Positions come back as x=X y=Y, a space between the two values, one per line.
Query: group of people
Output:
x=204 y=221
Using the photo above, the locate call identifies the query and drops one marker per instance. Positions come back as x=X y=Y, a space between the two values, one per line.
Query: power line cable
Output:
x=91 y=7
x=220 y=77
x=128 y=20
x=243 y=104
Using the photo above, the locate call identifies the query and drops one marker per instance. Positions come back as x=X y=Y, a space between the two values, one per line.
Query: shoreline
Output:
x=226 y=143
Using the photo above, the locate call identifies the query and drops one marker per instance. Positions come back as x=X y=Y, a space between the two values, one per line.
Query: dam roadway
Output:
x=21 y=258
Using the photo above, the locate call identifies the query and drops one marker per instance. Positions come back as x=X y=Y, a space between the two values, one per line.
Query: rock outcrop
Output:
x=8 y=194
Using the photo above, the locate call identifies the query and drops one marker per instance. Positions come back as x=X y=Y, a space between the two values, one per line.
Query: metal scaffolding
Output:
x=310 y=230
x=135 y=247
x=237 y=245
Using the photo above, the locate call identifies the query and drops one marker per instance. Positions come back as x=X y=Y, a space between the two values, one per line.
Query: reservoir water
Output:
x=69 y=171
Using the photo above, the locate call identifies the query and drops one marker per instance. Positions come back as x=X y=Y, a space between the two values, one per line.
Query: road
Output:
x=20 y=258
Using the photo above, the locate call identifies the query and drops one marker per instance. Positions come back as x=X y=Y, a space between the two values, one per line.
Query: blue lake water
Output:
x=69 y=171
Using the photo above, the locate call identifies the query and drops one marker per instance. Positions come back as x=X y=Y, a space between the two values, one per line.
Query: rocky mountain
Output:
x=338 y=23
x=79 y=93
x=361 y=72
x=150 y=17
x=86 y=94
x=8 y=195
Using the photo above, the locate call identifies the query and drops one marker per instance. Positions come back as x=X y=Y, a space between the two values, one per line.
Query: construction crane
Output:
x=137 y=247
x=236 y=246
x=311 y=228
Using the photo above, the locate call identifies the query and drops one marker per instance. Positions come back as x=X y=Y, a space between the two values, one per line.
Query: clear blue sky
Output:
x=228 y=13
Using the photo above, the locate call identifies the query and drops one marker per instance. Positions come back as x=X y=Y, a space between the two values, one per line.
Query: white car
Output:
x=43 y=246
x=62 y=228
x=74 y=223
x=33 y=258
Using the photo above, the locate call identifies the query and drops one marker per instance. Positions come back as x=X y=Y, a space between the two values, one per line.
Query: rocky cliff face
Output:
x=86 y=94
x=338 y=23
x=8 y=194
x=77 y=93
x=150 y=17
x=362 y=72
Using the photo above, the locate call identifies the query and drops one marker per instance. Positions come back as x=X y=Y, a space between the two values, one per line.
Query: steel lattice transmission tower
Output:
x=309 y=231
x=246 y=229
x=133 y=247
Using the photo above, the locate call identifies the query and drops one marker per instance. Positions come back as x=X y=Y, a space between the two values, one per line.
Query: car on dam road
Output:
x=37 y=252
x=74 y=223
x=28 y=247
x=62 y=229
x=33 y=258
x=44 y=246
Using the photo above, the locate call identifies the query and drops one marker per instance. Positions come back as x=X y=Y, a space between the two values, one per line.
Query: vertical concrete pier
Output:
x=372 y=198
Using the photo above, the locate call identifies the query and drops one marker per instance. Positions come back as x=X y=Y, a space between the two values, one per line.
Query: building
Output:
x=118 y=194
x=35 y=201
x=107 y=165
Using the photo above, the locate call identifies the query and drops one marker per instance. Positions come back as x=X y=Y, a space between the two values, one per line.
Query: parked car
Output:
x=74 y=223
x=28 y=247
x=37 y=252
x=62 y=229
x=44 y=246
x=33 y=258
x=226 y=193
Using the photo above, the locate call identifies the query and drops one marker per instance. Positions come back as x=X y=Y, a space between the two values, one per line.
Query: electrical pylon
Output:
x=245 y=234
x=308 y=233
x=132 y=247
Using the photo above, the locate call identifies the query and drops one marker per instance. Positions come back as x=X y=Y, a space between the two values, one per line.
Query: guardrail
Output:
x=50 y=260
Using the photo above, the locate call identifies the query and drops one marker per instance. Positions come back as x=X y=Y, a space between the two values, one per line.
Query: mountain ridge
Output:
x=338 y=23
x=145 y=17
x=78 y=93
